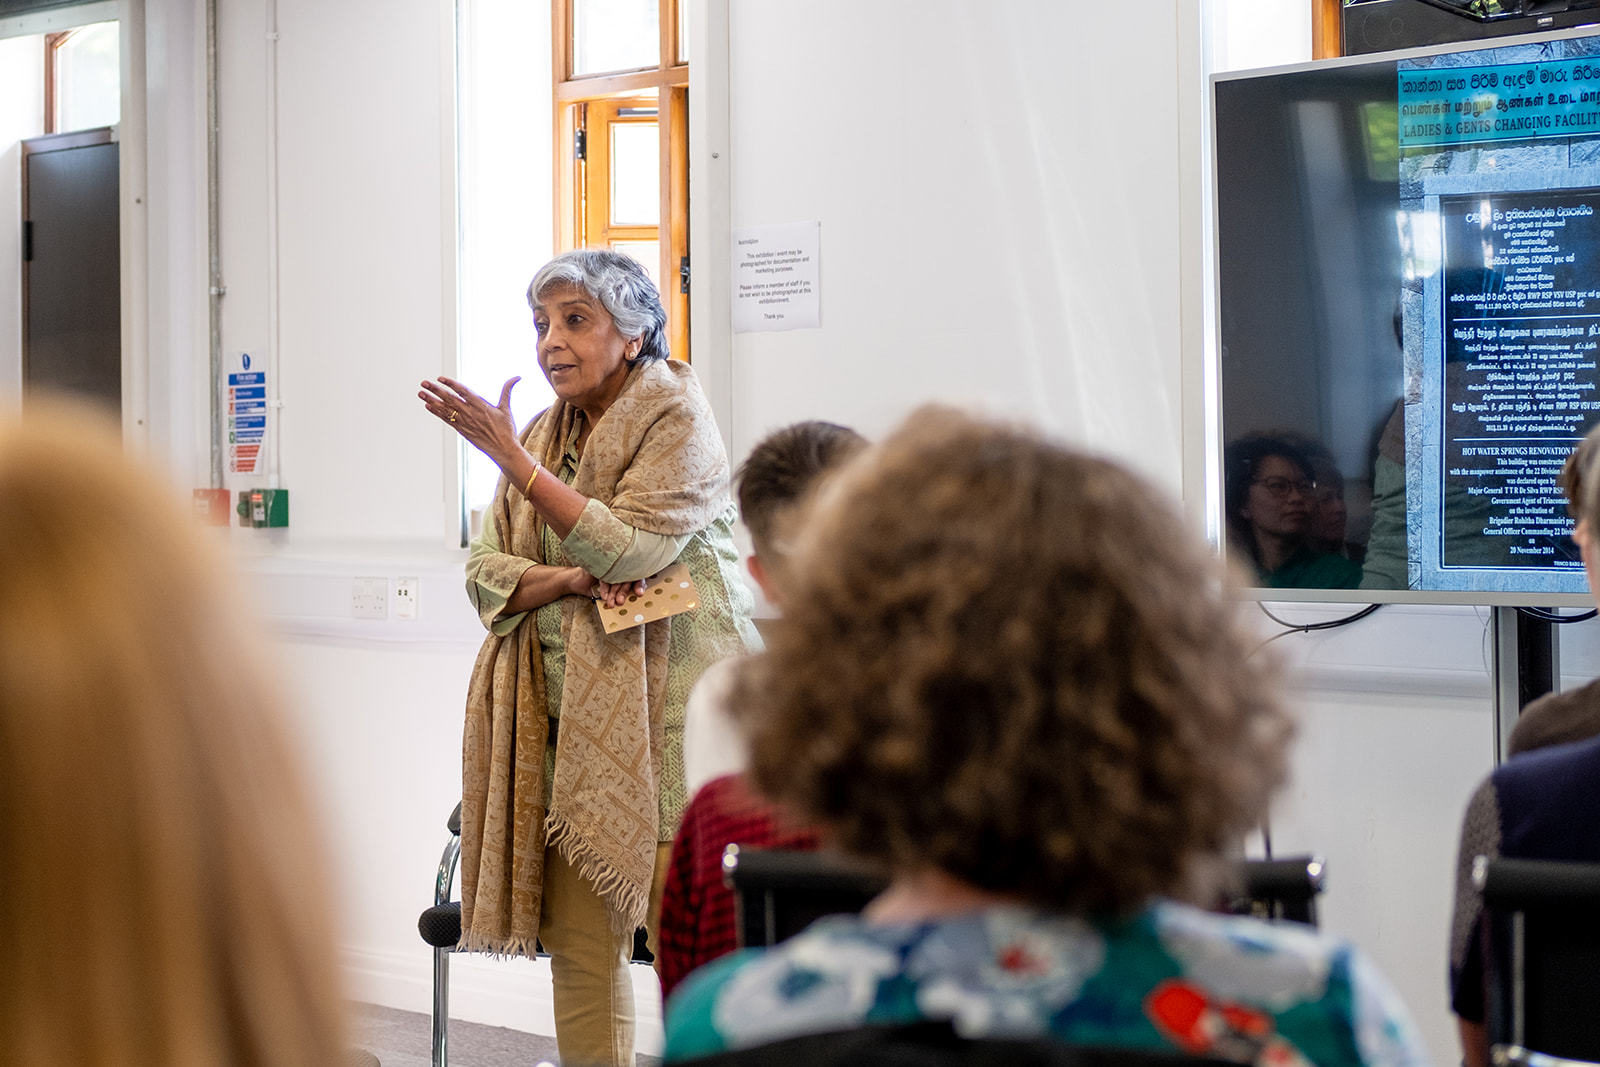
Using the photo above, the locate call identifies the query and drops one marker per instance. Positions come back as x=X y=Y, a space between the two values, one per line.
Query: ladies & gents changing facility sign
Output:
x=1454 y=105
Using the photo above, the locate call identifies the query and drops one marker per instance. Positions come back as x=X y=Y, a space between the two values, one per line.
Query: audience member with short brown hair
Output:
x=697 y=909
x=772 y=483
x=780 y=472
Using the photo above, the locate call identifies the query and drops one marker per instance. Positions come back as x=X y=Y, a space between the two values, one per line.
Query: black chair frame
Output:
x=778 y=893
x=440 y=927
x=1283 y=890
x=1541 y=953
x=935 y=1043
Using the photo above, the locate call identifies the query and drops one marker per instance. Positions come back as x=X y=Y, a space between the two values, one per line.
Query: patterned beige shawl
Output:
x=656 y=459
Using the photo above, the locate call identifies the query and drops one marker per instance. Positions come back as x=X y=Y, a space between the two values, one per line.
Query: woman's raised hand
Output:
x=487 y=427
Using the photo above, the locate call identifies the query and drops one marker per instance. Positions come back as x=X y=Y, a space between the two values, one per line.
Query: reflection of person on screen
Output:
x=1270 y=493
x=1385 y=563
x=1328 y=529
x=1330 y=516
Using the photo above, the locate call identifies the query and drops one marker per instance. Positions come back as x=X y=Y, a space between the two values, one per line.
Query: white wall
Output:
x=362 y=244
x=176 y=264
x=1257 y=33
x=999 y=198
x=1395 y=729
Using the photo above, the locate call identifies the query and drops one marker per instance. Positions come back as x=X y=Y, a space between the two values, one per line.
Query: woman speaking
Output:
x=572 y=753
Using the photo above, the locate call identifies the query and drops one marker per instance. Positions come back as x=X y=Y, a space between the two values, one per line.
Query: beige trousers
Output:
x=589 y=965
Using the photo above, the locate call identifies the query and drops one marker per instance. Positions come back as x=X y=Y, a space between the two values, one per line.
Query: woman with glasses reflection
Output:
x=1270 y=493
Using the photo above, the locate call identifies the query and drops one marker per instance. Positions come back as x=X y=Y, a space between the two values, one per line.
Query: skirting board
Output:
x=509 y=993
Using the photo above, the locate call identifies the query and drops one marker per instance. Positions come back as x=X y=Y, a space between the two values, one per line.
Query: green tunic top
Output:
x=718 y=628
x=1307 y=569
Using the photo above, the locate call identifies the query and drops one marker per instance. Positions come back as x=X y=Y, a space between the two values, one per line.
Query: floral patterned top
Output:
x=1172 y=978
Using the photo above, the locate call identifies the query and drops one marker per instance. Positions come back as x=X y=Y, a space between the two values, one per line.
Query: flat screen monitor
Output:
x=1408 y=320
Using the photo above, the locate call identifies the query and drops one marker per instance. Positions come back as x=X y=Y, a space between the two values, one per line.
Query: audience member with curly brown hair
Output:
x=1010 y=676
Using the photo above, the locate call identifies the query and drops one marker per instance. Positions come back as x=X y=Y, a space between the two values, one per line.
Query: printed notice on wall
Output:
x=776 y=272
x=247 y=416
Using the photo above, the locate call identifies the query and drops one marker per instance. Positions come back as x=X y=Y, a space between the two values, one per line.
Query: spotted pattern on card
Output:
x=665 y=594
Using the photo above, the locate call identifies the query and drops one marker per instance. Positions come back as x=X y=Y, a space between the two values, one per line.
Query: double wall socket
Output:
x=405 y=598
x=370 y=598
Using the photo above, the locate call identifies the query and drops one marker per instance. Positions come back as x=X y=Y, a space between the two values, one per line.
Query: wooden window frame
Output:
x=52 y=42
x=600 y=118
x=52 y=97
x=1327 y=29
x=668 y=80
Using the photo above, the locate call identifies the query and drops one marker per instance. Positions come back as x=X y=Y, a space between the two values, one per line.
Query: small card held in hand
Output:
x=668 y=593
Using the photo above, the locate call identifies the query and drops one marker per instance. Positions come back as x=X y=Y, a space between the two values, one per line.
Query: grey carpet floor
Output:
x=405 y=1039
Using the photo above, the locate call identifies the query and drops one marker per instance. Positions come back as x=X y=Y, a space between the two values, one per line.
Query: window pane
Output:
x=683 y=31
x=88 y=79
x=635 y=174
x=612 y=35
x=648 y=253
x=504 y=213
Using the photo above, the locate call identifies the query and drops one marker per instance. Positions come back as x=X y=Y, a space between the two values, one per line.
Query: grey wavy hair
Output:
x=622 y=287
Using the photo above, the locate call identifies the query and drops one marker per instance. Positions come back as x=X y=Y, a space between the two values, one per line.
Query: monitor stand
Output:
x=1527 y=665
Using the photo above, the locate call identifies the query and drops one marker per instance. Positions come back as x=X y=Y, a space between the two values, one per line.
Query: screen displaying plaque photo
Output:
x=1519 y=319
x=1408 y=320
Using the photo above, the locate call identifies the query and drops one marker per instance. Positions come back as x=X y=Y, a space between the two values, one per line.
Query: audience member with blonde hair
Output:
x=165 y=899
x=1008 y=675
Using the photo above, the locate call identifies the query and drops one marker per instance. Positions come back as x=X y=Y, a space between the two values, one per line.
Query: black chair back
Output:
x=1279 y=889
x=935 y=1044
x=778 y=893
x=1542 y=956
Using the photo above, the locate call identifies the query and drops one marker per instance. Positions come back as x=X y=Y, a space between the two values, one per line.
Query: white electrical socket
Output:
x=369 y=598
x=405 y=598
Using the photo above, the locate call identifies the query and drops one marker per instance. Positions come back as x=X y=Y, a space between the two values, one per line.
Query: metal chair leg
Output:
x=441 y=956
x=441 y=1006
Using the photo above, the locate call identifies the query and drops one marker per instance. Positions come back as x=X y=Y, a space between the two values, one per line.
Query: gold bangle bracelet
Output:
x=527 y=489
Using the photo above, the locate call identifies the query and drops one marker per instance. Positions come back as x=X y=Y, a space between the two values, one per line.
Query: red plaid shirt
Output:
x=698 y=922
